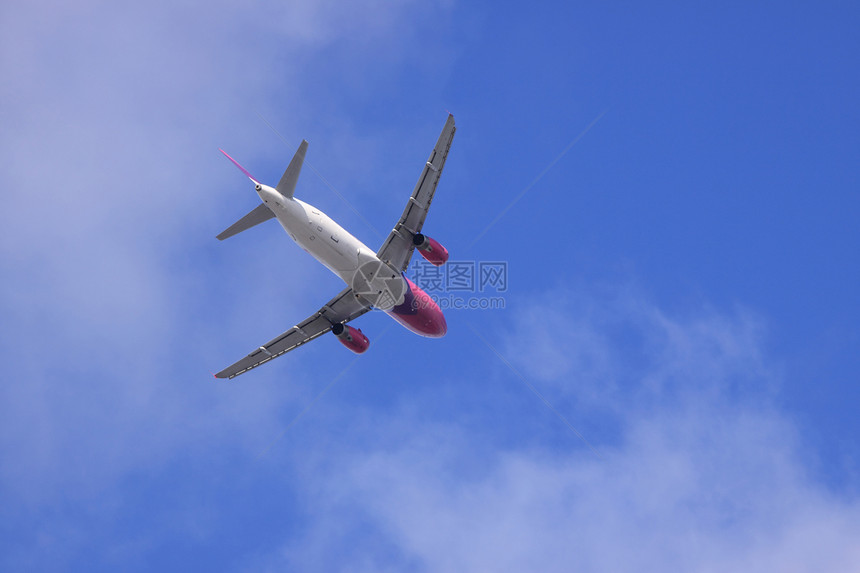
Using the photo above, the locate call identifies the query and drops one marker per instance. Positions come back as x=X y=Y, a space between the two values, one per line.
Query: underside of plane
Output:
x=375 y=279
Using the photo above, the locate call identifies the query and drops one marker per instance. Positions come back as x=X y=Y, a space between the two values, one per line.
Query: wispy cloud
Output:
x=702 y=472
x=116 y=299
x=111 y=315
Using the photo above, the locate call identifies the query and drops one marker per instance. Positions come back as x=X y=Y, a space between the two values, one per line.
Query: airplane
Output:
x=374 y=279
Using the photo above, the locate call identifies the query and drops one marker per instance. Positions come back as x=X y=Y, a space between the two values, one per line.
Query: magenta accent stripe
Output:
x=236 y=163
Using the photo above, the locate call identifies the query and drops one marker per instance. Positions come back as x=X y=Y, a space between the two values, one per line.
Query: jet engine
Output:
x=351 y=337
x=430 y=249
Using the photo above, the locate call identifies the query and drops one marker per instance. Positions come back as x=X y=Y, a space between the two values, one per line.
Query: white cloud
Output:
x=112 y=117
x=613 y=348
x=113 y=114
x=706 y=474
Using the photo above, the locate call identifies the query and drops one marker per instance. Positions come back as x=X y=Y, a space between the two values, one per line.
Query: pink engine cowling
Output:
x=351 y=337
x=430 y=249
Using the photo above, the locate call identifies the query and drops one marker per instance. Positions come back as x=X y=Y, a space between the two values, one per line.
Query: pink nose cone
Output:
x=435 y=325
x=430 y=318
x=420 y=313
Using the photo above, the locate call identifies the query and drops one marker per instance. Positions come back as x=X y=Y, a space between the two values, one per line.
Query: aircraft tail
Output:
x=259 y=215
x=242 y=169
x=286 y=187
x=287 y=184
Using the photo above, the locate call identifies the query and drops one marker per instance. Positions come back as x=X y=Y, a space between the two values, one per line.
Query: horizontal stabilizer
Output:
x=260 y=214
x=287 y=184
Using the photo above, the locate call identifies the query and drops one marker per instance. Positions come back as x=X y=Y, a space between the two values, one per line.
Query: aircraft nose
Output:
x=435 y=325
x=443 y=324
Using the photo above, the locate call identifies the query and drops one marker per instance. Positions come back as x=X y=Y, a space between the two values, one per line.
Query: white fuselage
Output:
x=319 y=235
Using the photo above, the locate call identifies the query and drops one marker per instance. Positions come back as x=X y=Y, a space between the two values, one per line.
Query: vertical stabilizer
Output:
x=287 y=184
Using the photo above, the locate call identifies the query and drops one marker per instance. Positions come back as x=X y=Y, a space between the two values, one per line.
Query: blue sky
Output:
x=682 y=288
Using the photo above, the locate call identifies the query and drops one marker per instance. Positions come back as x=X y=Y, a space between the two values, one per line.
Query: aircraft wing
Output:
x=397 y=248
x=342 y=308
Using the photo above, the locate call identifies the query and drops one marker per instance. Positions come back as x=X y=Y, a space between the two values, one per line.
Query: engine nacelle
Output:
x=351 y=337
x=430 y=249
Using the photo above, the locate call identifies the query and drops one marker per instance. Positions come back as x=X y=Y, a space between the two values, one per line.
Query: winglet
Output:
x=242 y=169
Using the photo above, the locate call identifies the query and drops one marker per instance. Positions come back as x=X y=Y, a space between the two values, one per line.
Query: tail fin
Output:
x=286 y=187
x=260 y=214
x=287 y=184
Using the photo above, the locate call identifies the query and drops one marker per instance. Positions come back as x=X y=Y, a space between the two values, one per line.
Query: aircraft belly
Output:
x=322 y=238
